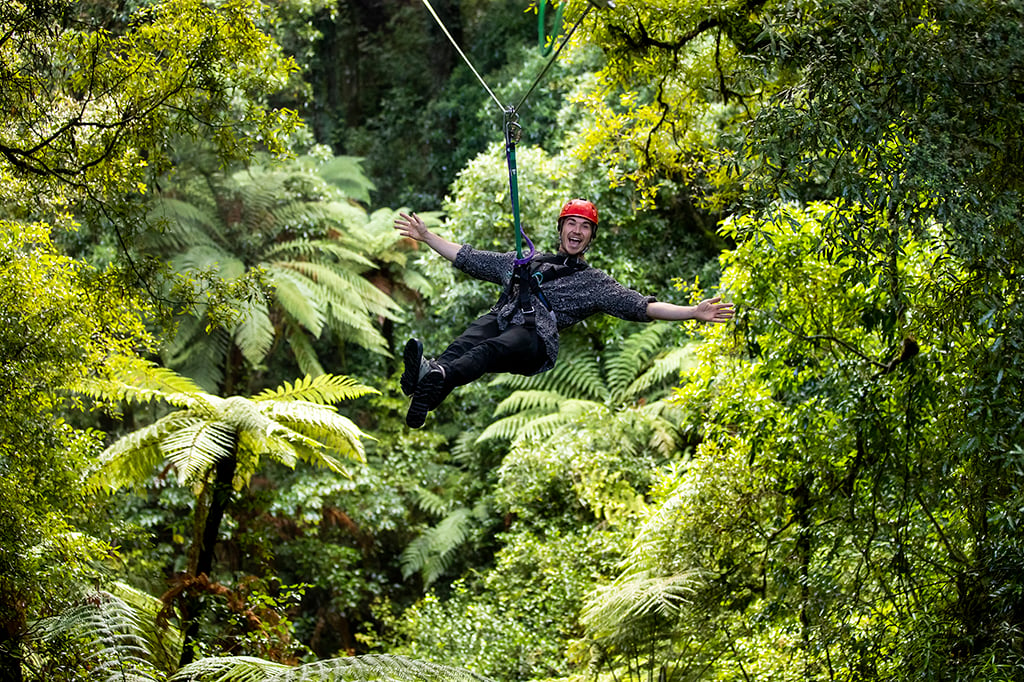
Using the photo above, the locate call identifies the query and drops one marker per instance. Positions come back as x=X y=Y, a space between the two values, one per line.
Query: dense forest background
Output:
x=206 y=473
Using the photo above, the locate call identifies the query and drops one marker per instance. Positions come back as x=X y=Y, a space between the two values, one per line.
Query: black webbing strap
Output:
x=529 y=277
x=526 y=285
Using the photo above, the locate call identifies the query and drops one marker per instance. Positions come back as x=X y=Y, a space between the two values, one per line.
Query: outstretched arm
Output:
x=413 y=227
x=708 y=310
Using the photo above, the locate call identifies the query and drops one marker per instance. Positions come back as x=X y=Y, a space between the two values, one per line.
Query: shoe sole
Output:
x=422 y=401
x=413 y=356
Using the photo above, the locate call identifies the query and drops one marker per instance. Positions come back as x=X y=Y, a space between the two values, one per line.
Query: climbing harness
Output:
x=527 y=278
x=513 y=131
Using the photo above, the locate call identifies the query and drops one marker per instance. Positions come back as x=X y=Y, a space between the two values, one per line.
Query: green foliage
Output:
x=516 y=621
x=432 y=553
x=827 y=497
x=93 y=109
x=60 y=320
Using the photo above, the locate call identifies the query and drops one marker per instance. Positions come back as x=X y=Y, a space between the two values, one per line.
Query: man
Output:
x=520 y=333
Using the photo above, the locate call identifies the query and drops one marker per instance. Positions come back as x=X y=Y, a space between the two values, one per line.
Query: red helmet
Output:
x=581 y=208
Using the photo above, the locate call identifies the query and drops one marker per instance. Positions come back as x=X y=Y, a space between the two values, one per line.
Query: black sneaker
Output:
x=429 y=392
x=413 y=357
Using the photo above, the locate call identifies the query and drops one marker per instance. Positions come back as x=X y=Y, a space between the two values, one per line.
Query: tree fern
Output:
x=303 y=237
x=637 y=593
x=293 y=421
x=196 y=446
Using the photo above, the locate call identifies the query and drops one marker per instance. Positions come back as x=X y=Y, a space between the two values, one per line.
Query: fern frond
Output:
x=628 y=361
x=523 y=401
x=431 y=502
x=194 y=449
x=254 y=334
x=326 y=389
x=297 y=298
x=507 y=428
x=664 y=438
x=434 y=550
x=576 y=376
x=303 y=350
x=180 y=224
x=544 y=426
x=242 y=414
x=304 y=215
x=638 y=594
x=415 y=555
x=356 y=325
x=464 y=449
x=665 y=370
x=322 y=251
x=201 y=257
x=138 y=381
x=275 y=445
x=165 y=640
x=316 y=428
x=379 y=227
x=231 y=669
x=134 y=457
x=347 y=174
x=345 y=288
x=415 y=281
x=119 y=649
x=198 y=353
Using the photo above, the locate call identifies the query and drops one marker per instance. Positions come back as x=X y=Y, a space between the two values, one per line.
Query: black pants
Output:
x=484 y=349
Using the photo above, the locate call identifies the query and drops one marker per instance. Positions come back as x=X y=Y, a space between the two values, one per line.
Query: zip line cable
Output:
x=463 y=54
x=554 y=56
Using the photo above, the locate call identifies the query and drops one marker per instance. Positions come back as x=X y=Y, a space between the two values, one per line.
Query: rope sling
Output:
x=513 y=131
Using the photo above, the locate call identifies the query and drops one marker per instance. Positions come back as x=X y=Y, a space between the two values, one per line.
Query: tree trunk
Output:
x=224 y=474
x=10 y=655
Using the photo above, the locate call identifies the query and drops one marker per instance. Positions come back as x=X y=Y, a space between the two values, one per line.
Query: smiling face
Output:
x=574 y=235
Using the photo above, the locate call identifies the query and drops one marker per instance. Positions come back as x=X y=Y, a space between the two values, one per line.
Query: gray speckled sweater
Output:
x=572 y=298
